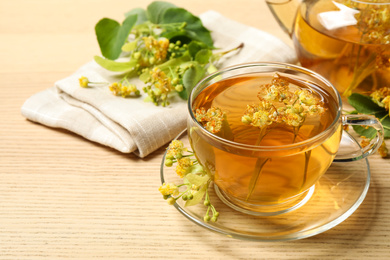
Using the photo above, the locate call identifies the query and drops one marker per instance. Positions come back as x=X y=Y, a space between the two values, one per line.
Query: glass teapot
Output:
x=346 y=41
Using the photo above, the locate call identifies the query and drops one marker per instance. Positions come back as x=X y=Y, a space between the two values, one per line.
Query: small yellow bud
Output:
x=179 y=88
x=136 y=55
x=83 y=82
x=168 y=162
x=171 y=201
x=246 y=119
x=175 y=81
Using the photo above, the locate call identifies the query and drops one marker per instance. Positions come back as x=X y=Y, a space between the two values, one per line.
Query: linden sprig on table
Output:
x=166 y=47
x=196 y=180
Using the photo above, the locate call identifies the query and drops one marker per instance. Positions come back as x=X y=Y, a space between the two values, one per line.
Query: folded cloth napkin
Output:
x=133 y=125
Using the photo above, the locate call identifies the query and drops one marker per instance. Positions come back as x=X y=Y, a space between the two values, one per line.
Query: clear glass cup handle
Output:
x=357 y=154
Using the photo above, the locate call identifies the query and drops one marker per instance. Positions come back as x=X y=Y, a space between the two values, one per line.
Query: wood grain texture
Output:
x=64 y=197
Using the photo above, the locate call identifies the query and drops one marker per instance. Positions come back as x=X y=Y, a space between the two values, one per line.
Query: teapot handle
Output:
x=284 y=12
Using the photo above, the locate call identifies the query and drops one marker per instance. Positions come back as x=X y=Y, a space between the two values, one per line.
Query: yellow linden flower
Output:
x=175 y=149
x=383 y=151
x=169 y=189
x=211 y=119
x=83 y=82
x=184 y=166
x=293 y=118
x=124 y=90
x=386 y=103
x=115 y=88
x=158 y=48
x=261 y=115
x=381 y=97
x=306 y=97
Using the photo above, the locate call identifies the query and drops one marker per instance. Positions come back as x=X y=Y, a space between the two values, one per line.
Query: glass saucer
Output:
x=337 y=195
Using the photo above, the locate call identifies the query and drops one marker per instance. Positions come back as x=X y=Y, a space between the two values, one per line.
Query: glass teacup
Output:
x=266 y=133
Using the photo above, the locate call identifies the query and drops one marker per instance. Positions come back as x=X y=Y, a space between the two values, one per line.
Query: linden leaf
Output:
x=194 y=47
x=362 y=131
x=156 y=10
x=364 y=104
x=111 y=35
x=203 y=56
x=141 y=15
x=114 y=65
x=198 y=196
x=190 y=78
x=194 y=28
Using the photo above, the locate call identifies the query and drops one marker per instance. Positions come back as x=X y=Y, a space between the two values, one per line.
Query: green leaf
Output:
x=114 y=65
x=203 y=56
x=141 y=15
x=362 y=131
x=194 y=47
x=156 y=10
x=385 y=120
x=190 y=78
x=364 y=104
x=111 y=35
x=194 y=29
x=198 y=196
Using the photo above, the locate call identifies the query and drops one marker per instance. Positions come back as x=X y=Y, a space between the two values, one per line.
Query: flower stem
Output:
x=255 y=177
x=307 y=158
x=259 y=165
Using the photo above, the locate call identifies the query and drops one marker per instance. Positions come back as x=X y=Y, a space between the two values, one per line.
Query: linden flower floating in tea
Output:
x=195 y=180
x=281 y=105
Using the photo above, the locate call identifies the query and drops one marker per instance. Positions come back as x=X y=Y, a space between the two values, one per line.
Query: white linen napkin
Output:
x=131 y=124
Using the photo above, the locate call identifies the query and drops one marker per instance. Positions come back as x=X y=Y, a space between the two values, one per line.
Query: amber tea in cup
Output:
x=266 y=132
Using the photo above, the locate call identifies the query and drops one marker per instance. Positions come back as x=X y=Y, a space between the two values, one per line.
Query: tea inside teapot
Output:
x=346 y=41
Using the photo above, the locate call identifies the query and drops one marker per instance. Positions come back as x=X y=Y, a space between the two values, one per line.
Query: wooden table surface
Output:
x=64 y=197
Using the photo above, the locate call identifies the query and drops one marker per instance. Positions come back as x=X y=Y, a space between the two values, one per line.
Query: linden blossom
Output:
x=195 y=180
x=382 y=98
x=279 y=104
x=211 y=119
